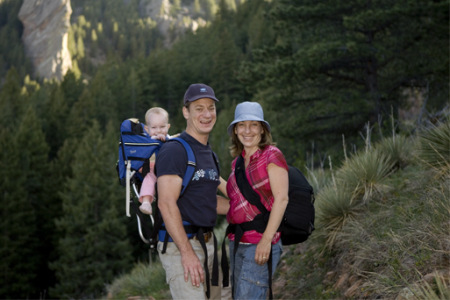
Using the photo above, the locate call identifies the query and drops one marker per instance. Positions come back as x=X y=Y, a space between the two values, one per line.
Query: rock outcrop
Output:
x=172 y=25
x=46 y=25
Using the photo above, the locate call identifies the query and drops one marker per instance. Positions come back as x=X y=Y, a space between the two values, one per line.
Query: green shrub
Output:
x=144 y=280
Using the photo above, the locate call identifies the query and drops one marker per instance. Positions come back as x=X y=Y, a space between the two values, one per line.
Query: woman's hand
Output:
x=279 y=179
x=263 y=251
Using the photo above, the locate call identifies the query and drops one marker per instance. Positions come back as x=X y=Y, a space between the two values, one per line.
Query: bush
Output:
x=144 y=280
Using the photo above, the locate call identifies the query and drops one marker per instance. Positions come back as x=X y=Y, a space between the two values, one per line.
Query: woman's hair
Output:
x=156 y=111
x=237 y=147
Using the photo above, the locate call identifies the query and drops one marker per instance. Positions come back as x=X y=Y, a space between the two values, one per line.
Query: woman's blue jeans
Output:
x=250 y=280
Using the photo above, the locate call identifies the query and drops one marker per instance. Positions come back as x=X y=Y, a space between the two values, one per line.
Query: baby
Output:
x=157 y=126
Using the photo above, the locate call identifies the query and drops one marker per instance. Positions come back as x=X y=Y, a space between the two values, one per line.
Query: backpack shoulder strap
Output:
x=244 y=186
x=216 y=161
x=191 y=163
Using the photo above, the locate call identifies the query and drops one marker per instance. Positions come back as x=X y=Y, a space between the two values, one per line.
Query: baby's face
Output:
x=157 y=124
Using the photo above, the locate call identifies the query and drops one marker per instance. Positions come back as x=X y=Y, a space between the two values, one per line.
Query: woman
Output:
x=267 y=172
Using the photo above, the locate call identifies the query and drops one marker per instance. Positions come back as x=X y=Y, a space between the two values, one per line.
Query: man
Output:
x=184 y=258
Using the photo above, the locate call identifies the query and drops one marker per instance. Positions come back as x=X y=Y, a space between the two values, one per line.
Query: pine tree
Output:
x=12 y=106
x=81 y=115
x=339 y=64
x=226 y=59
x=94 y=247
x=105 y=101
x=197 y=8
x=34 y=164
x=71 y=44
x=80 y=47
x=19 y=259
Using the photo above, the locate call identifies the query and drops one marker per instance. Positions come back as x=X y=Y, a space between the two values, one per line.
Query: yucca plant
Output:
x=318 y=178
x=399 y=148
x=335 y=207
x=365 y=171
x=144 y=281
x=435 y=149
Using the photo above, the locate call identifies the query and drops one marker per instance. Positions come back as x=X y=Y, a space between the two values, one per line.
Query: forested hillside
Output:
x=323 y=71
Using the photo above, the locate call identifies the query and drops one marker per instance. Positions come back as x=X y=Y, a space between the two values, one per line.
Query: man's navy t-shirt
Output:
x=198 y=204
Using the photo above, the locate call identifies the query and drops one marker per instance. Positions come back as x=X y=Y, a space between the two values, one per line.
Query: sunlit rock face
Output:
x=46 y=25
x=172 y=24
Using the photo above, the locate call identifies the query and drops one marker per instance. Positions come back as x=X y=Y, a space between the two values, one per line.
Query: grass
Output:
x=364 y=173
x=143 y=281
x=383 y=221
x=434 y=151
x=318 y=178
x=399 y=148
x=335 y=206
x=440 y=290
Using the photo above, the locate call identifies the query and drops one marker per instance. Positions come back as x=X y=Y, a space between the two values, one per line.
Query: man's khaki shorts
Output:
x=171 y=262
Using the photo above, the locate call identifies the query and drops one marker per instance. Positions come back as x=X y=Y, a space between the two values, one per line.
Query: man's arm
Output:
x=223 y=186
x=169 y=188
x=223 y=205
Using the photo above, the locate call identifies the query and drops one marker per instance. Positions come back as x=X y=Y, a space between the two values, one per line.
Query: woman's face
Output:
x=249 y=134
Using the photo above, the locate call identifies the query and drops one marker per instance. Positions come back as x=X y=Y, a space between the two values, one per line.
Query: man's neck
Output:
x=201 y=138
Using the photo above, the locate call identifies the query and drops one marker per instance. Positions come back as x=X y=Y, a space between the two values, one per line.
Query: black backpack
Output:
x=298 y=221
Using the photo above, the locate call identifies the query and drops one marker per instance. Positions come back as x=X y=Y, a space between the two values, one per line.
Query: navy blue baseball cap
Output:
x=197 y=91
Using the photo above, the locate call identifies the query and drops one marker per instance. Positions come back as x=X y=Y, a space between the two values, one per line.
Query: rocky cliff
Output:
x=46 y=24
x=173 y=21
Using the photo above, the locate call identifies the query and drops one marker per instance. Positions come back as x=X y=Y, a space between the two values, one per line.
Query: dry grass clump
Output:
x=143 y=280
x=399 y=148
x=336 y=206
x=434 y=151
x=342 y=200
x=439 y=290
x=318 y=178
x=364 y=173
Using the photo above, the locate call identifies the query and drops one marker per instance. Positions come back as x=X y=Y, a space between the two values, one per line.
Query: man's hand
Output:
x=192 y=267
x=169 y=187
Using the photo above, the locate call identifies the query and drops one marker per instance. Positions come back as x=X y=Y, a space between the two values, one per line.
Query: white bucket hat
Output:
x=248 y=111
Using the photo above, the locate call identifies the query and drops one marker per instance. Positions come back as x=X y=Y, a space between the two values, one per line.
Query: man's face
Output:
x=201 y=115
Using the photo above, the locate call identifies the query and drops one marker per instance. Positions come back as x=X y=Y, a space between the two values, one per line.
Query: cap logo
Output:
x=202 y=90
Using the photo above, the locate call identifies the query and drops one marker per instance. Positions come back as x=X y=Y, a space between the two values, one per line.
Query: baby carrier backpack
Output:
x=135 y=149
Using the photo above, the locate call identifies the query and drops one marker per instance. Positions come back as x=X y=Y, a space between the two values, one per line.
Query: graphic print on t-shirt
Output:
x=209 y=174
